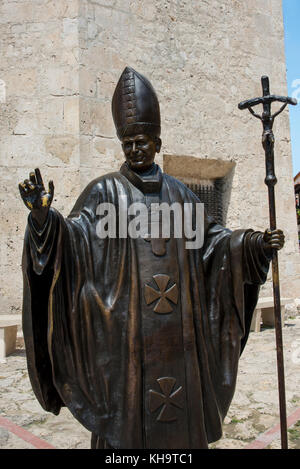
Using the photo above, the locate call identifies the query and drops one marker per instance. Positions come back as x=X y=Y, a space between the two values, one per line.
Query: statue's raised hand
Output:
x=35 y=197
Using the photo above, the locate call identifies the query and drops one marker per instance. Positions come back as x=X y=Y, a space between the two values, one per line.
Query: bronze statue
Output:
x=139 y=337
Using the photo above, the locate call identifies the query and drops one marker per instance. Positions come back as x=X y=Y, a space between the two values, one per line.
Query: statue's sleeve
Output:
x=235 y=266
x=42 y=241
x=248 y=258
x=249 y=269
x=39 y=251
x=256 y=260
x=48 y=250
x=237 y=261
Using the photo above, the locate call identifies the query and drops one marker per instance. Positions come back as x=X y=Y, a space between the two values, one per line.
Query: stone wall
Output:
x=39 y=123
x=61 y=61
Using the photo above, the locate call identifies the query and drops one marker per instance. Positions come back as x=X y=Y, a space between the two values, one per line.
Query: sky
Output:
x=291 y=15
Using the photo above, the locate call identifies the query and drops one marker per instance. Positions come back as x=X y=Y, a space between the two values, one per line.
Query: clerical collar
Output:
x=148 y=182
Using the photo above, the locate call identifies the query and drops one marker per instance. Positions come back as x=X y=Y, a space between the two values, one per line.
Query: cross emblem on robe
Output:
x=166 y=399
x=163 y=294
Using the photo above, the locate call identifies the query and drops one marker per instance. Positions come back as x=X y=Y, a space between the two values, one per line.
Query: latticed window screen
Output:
x=212 y=197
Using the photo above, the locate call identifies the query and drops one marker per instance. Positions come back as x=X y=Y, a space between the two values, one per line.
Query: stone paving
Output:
x=253 y=411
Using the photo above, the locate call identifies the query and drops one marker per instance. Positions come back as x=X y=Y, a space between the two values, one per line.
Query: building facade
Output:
x=59 y=65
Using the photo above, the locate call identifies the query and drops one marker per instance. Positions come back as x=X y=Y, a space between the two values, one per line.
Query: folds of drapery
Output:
x=81 y=316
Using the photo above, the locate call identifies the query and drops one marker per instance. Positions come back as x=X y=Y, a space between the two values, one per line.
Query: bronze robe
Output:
x=142 y=347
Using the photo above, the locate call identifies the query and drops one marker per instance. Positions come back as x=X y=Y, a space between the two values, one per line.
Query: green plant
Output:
x=295 y=431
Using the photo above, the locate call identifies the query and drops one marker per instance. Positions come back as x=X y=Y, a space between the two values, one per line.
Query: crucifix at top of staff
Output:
x=268 y=140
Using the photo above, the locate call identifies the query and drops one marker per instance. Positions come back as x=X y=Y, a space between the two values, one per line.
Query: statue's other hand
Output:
x=35 y=197
x=273 y=240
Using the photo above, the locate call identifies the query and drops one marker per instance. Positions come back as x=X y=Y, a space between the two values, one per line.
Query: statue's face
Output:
x=140 y=150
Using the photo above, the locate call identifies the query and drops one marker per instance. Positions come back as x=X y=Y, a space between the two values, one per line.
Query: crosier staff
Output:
x=268 y=140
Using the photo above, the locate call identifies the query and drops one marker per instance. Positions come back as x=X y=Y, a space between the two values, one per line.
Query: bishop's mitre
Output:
x=135 y=106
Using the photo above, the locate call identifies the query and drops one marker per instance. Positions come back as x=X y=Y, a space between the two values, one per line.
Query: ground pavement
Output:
x=253 y=412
